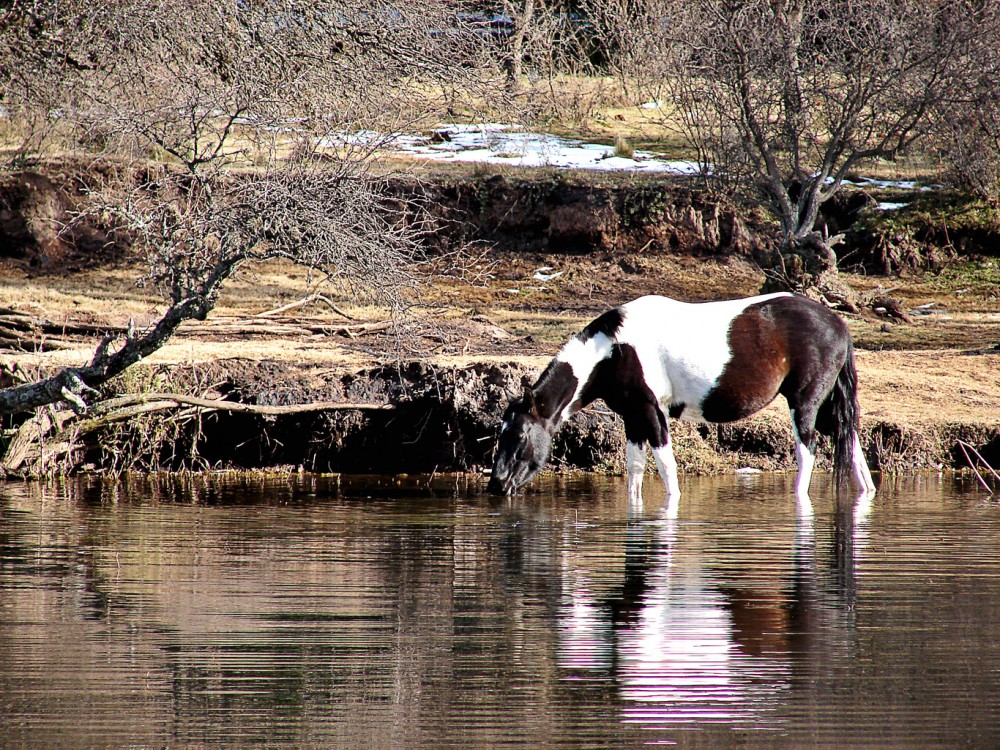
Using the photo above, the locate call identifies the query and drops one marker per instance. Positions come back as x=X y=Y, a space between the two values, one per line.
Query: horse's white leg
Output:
x=667 y=466
x=863 y=503
x=805 y=460
x=861 y=472
x=635 y=460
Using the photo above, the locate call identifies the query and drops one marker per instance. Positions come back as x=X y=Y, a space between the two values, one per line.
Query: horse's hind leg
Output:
x=804 y=428
x=863 y=502
x=862 y=473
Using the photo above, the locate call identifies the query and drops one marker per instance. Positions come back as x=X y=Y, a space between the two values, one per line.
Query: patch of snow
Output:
x=357 y=138
x=541 y=276
x=864 y=182
x=492 y=143
x=887 y=184
x=890 y=206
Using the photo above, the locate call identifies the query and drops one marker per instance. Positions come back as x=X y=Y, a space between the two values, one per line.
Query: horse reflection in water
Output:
x=690 y=640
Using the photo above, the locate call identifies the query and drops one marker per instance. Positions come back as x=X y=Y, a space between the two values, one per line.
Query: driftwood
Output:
x=267 y=326
x=23 y=332
x=965 y=448
x=16 y=320
x=317 y=297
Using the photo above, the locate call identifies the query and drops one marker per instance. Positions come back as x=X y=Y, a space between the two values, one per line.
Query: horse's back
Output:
x=683 y=346
x=720 y=361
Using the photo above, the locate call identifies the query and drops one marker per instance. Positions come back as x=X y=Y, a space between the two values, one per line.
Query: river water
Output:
x=408 y=613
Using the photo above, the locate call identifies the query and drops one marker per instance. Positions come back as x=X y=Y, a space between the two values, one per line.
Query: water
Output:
x=392 y=614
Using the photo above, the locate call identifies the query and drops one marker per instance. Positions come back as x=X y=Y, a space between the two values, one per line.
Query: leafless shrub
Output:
x=967 y=122
x=548 y=54
x=620 y=26
x=203 y=105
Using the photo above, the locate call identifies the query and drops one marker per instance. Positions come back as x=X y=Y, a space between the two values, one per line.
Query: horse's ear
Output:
x=529 y=399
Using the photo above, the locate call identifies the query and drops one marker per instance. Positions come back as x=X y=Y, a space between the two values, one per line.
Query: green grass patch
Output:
x=935 y=210
x=980 y=277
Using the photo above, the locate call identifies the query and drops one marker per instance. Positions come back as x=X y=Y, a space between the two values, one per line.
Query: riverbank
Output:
x=542 y=254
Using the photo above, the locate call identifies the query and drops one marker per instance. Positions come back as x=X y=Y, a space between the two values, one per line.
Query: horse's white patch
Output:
x=683 y=347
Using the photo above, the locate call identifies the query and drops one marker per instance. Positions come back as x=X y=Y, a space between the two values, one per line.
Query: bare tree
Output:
x=967 y=121
x=785 y=97
x=522 y=15
x=239 y=132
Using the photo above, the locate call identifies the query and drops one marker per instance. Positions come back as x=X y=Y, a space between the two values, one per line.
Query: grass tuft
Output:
x=623 y=148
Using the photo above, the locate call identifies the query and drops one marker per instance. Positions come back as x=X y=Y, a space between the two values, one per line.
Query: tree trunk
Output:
x=515 y=63
x=809 y=267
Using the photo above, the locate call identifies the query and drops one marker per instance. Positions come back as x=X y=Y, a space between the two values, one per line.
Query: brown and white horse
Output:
x=655 y=358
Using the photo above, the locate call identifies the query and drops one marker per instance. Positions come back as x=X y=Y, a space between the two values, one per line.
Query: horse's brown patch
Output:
x=759 y=365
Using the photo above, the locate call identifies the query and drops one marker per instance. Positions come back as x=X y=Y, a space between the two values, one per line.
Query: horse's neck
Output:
x=559 y=389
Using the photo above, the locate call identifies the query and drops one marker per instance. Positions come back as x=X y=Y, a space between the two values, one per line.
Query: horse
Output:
x=656 y=358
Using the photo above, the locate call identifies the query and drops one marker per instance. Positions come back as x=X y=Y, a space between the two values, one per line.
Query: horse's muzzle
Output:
x=496 y=487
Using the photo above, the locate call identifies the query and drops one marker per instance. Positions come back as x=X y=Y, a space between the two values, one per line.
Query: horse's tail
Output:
x=846 y=418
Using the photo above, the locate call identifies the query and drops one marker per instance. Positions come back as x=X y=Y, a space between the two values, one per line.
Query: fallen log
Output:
x=179 y=399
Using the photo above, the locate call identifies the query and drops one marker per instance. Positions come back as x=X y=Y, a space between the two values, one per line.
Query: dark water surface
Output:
x=386 y=613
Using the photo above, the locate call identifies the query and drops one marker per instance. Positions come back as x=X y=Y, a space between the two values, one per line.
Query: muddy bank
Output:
x=446 y=420
x=44 y=223
x=566 y=215
x=560 y=213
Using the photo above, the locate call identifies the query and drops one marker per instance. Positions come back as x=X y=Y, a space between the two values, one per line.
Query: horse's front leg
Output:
x=667 y=466
x=635 y=459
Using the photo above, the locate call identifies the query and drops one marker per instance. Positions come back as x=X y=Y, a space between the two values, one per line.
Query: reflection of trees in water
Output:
x=693 y=635
x=263 y=618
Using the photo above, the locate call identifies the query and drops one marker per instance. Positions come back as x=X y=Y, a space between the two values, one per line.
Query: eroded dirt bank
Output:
x=42 y=225
x=445 y=419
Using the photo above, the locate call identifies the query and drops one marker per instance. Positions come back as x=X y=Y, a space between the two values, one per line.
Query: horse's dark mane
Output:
x=607 y=323
x=554 y=388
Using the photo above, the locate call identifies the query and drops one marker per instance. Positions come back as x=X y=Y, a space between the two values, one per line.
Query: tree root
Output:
x=50 y=442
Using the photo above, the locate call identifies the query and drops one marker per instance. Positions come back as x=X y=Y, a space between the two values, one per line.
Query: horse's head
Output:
x=523 y=447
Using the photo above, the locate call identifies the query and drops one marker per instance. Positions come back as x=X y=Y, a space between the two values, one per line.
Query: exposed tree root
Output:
x=51 y=441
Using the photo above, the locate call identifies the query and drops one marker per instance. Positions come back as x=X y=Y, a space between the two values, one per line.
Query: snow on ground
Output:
x=506 y=144
x=492 y=143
